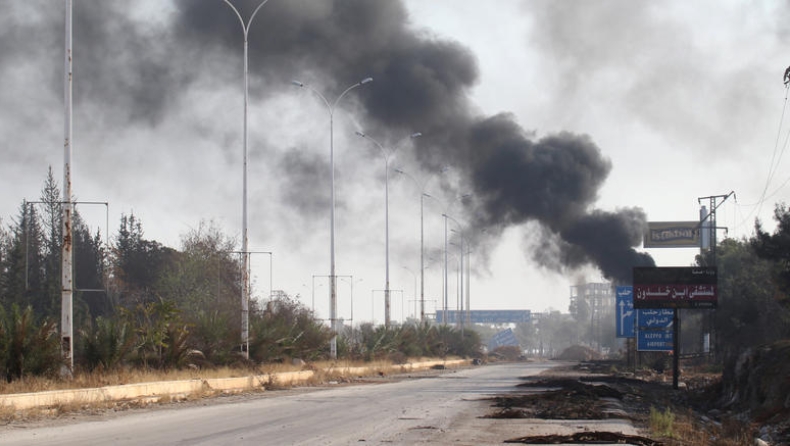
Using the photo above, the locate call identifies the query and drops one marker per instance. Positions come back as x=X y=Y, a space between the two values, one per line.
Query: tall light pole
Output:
x=422 y=185
x=67 y=280
x=387 y=155
x=463 y=247
x=446 y=210
x=332 y=279
x=245 y=262
x=460 y=286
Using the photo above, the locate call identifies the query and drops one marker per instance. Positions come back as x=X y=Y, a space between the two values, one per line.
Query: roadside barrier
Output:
x=156 y=391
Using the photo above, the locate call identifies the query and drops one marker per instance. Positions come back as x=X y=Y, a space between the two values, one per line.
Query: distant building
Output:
x=595 y=301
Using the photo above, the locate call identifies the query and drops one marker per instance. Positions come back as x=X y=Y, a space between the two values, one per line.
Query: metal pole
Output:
x=387 y=154
x=468 y=281
x=387 y=240
x=332 y=278
x=461 y=286
x=444 y=319
x=422 y=186
x=459 y=301
x=245 y=276
x=66 y=328
x=422 y=259
x=271 y=274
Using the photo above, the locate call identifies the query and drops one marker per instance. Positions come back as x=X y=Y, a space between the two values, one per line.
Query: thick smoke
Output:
x=421 y=83
x=132 y=69
x=554 y=181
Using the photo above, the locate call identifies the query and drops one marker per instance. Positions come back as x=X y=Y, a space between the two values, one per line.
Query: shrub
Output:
x=106 y=344
x=661 y=423
x=27 y=348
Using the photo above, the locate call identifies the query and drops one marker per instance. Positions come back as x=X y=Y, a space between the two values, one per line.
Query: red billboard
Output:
x=675 y=287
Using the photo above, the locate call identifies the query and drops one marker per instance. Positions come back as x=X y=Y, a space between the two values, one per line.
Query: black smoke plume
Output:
x=422 y=82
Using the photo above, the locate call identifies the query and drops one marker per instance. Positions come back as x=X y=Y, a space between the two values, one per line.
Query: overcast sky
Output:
x=570 y=123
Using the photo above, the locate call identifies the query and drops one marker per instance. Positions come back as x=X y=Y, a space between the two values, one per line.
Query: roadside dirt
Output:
x=663 y=415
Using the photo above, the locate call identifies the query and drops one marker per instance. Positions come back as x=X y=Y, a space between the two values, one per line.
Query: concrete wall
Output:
x=169 y=389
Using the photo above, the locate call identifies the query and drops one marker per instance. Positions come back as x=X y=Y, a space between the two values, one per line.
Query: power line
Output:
x=775 y=161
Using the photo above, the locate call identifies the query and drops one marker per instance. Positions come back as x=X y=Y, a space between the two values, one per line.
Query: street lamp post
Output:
x=447 y=209
x=387 y=155
x=422 y=185
x=460 y=285
x=332 y=279
x=245 y=277
x=464 y=251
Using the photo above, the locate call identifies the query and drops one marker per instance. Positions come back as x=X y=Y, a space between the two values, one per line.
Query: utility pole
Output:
x=711 y=219
x=708 y=222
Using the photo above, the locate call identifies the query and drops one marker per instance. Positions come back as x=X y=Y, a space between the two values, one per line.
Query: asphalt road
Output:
x=440 y=409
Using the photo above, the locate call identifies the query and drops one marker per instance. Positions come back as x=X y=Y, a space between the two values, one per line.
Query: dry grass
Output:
x=324 y=371
x=686 y=429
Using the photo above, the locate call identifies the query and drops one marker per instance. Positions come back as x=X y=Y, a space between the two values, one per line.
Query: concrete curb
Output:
x=155 y=391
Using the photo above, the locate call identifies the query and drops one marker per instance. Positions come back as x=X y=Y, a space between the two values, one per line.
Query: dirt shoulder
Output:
x=593 y=397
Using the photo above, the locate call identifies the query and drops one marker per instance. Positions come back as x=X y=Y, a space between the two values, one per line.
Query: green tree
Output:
x=52 y=216
x=89 y=270
x=161 y=337
x=286 y=329
x=776 y=249
x=203 y=281
x=748 y=314
x=23 y=266
x=137 y=264
x=106 y=343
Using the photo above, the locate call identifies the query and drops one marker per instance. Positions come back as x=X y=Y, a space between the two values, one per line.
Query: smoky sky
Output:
x=140 y=72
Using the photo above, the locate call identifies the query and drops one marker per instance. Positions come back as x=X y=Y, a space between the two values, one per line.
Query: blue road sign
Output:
x=654 y=329
x=503 y=338
x=653 y=318
x=654 y=340
x=485 y=316
x=625 y=312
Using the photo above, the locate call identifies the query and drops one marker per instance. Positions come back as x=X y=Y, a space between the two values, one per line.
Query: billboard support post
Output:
x=675 y=348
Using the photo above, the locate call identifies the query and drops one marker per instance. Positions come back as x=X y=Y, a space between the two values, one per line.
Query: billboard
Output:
x=675 y=287
x=672 y=234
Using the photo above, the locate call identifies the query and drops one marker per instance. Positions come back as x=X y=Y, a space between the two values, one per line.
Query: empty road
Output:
x=440 y=409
